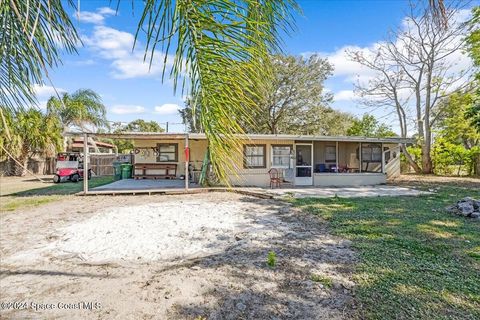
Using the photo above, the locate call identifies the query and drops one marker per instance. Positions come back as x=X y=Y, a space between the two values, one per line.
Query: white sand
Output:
x=88 y=249
x=157 y=231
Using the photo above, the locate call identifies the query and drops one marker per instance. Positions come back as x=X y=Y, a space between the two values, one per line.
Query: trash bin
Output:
x=126 y=170
x=117 y=171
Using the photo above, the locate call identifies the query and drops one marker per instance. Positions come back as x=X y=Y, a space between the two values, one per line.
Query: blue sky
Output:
x=107 y=65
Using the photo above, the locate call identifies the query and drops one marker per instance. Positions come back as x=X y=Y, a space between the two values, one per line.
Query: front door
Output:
x=303 y=164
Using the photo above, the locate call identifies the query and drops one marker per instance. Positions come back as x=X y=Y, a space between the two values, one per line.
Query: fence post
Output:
x=85 y=163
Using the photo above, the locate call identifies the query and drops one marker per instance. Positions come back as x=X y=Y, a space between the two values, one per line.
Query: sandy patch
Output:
x=174 y=257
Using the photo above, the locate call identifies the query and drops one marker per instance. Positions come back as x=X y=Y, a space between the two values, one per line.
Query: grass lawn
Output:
x=416 y=261
x=34 y=195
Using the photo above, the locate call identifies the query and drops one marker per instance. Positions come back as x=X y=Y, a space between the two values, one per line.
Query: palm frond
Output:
x=34 y=33
x=220 y=59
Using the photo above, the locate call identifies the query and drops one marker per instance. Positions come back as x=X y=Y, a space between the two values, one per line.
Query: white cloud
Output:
x=43 y=91
x=97 y=17
x=89 y=17
x=85 y=62
x=126 y=109
x=344 y=95
x=167 y=108
x=110 y=43
x=106 y=11
x=116 y=45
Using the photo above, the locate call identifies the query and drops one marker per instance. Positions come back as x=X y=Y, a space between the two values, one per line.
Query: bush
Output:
x=453 y=159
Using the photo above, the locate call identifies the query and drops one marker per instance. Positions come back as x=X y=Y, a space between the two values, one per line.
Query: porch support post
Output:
x=187 y=158
x=360 y=157
x=85 y=163
x=383 y=159
x=336 y=156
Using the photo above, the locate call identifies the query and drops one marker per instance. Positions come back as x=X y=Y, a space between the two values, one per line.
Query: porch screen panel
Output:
x=330 y=154
x=371 y=158
x=254 y=156
x=281 y=156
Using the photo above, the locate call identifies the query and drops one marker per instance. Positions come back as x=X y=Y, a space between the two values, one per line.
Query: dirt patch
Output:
x=429 y=180
x=207 y=257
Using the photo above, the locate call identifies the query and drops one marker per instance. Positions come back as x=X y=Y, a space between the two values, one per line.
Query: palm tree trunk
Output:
x=21 y=167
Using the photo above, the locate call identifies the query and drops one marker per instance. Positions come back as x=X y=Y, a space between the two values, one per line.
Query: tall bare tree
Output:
x=414 y=69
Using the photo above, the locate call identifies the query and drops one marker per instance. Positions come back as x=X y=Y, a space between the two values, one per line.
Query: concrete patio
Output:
x=144 y=184
x=177 y=186
x=342 y=192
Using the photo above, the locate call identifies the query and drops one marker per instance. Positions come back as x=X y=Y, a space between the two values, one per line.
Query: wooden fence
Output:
x=101 y=164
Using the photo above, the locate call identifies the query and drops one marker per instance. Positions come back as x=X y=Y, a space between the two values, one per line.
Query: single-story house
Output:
x=302 y=160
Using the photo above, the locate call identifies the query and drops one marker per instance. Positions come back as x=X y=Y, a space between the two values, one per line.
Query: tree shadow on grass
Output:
x=416 y=259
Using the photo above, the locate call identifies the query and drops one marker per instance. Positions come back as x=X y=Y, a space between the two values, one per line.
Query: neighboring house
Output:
x=303 y=160
x=76 y=145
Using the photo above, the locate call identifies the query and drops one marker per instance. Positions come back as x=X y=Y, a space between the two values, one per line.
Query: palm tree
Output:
x=29 y=132
x=80 y=109
x=33 y=35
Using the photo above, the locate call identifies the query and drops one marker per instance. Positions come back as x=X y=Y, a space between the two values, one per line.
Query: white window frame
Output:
x=246 y=156
x=287 y=166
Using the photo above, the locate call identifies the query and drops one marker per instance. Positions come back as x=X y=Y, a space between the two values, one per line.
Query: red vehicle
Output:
x=69 y=167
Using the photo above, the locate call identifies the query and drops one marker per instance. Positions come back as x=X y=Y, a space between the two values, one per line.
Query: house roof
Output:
x=78 y=143
x=201 y=136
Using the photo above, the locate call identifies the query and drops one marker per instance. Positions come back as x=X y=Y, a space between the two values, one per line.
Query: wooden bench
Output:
x=169 y=168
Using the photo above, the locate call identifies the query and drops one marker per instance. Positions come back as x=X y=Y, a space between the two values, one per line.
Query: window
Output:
x=281 y=156
x=167 y=152
x=330 y=154
x=254 y=156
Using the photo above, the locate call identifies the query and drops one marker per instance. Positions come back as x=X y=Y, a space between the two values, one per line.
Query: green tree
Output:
x=80 y=109
x=368 y=126
x=473 y=46
x=28 y=132
x=455 y=136
x=191 y=116
x=294 y=95
x=139 y=125
x=293 y=102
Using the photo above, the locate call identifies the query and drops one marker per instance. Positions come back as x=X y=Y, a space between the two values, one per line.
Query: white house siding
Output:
x=392 y=168
x=256 y=176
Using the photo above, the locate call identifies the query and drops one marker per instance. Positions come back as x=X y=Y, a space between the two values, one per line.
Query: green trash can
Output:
x=117 y=170
x=126 y=170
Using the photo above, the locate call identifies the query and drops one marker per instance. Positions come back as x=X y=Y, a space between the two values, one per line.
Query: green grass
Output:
x=326 y=281
x=272 y=259
x=37 y=196
x=66 y=188
x=12 y=204
x=416 y=260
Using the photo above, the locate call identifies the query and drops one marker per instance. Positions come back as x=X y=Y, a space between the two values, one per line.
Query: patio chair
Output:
x=275 y=178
